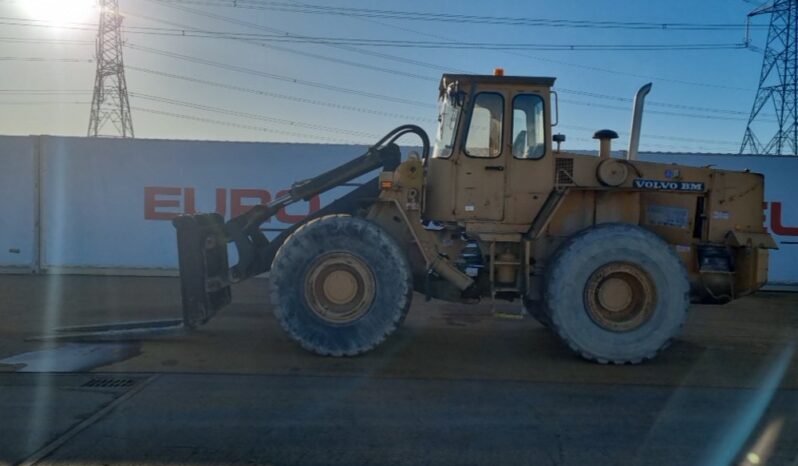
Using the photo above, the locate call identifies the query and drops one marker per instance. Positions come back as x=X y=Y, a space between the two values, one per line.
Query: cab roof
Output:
x=497 y=80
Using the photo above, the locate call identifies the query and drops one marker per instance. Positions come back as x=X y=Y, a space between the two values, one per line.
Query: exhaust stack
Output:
x=637 y=121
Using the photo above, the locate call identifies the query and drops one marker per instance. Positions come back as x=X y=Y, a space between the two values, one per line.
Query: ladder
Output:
x=504 y=309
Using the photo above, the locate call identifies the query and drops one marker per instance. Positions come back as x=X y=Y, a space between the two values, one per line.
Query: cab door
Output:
x=481 y=162
x=530 y=162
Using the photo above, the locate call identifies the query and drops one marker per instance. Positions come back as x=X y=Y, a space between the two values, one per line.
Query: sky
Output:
x=301 y=92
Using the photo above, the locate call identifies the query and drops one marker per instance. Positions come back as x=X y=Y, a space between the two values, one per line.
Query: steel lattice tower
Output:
x=778 y=83
x=110 y=102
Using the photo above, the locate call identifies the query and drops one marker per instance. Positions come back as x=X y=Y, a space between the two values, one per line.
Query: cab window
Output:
x=485 y=128
x=529 y=138
x=448 y=116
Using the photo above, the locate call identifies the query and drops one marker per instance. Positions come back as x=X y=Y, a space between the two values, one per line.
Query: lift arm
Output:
x=205 y=276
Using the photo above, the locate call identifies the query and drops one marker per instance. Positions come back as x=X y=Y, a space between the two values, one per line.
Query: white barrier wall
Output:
x=106 y=204
x=781 y=204
x=17 y=203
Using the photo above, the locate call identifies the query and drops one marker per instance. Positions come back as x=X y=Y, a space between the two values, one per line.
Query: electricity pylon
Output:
x=110 y=101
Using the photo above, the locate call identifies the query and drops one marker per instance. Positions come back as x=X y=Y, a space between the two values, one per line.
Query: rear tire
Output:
x=617 y=293
x=340 y=285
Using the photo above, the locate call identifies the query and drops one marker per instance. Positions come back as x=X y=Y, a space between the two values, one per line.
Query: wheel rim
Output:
x=620 y=296
x=339 y=287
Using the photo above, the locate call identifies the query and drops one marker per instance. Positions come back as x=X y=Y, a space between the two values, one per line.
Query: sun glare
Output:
x=60 y=12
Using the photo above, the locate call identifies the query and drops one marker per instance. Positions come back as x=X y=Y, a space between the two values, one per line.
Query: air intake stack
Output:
x=605 y=137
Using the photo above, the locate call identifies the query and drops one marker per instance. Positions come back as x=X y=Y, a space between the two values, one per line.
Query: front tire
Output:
x=340 y=285
x=617 y=293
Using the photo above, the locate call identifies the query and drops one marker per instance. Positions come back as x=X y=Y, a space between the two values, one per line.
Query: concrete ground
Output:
x=456 y=385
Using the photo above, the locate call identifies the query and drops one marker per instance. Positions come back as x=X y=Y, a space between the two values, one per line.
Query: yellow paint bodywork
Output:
x=497 y=200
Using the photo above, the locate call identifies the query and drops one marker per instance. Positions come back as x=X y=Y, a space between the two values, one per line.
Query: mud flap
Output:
x=202 y=253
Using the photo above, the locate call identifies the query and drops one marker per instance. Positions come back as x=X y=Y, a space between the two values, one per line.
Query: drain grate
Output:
x=109 y=383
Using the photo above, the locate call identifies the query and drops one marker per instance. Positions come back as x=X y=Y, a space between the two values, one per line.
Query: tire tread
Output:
x=576 y=245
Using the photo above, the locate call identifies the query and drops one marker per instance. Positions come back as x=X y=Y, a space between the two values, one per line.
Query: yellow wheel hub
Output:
x=615 y=294
x=620 y=296
x=339 y=287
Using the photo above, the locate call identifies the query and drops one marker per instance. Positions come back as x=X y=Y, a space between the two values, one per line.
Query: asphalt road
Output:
x=455 y=386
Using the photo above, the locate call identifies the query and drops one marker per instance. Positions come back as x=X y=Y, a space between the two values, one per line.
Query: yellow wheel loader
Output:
x=606 y=252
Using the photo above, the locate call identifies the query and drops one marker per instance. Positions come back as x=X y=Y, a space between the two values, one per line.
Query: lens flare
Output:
x=60 y=12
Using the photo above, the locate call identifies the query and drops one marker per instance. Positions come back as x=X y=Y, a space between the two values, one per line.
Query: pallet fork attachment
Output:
x=202 y=253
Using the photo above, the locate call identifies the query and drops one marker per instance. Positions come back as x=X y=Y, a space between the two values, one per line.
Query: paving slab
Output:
x=35 y=409
x=300 y=420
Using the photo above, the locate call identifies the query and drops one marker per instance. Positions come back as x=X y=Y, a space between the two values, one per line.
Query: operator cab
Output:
x=491 y=160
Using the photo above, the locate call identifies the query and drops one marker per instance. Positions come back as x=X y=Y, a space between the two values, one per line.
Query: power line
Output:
x=370 y=53
x=392 y=72
x=239 y=125
x=654 y=112
x=449 y=17
x=394 y=43
x=43 y=91
x=48 y=102
x=301 y=124
x=48 y=59
x=380 y=96
x=624 y=99
x=350 y=63
x=653 y=103
x=323 y=138
x=303 y=82
x=397 y=43
x=362 y=93
x=276 y=95
x=638 y=75
x=671 y=147
x=253 y=116
x=255 y=25
x=561 y=62
x=362 y=65
x=393 y=115
x=21 y=40
x=662 y=137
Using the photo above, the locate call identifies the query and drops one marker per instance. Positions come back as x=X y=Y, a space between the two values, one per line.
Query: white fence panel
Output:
x=107 y=202
x=17 y=203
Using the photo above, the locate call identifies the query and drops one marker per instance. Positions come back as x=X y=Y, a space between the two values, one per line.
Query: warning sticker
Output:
x=668 y=216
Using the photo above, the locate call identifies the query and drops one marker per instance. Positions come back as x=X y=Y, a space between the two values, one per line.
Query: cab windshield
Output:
x=448 y=116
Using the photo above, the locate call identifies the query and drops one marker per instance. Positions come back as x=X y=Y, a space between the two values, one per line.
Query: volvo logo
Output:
x=660 y=185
